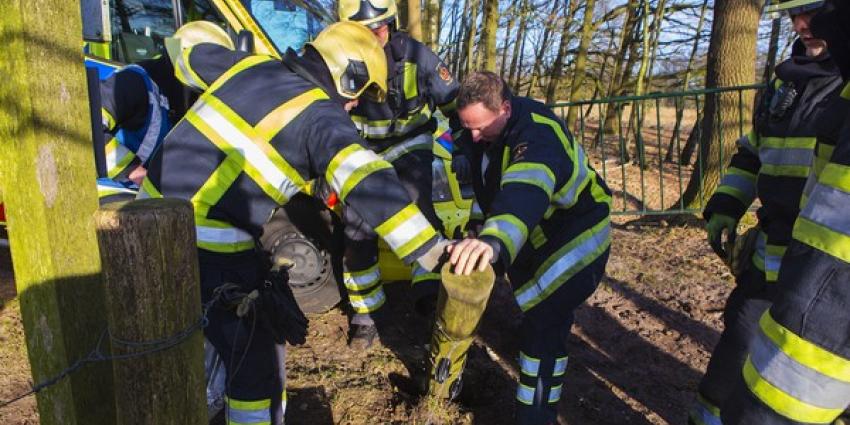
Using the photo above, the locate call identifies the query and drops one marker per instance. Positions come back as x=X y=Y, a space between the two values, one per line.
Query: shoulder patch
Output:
x=518 y=151
x=444 y=73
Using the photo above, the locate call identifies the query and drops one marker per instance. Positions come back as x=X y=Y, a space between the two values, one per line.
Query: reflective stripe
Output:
x=420 y=142
x=794 y=379
x=811 y=182
x=555 y=393
x=208 y=116
x=420 y=274
x=739 y=184
x=105 y=189
x=223 y=239
x=117 y=157
x=369 y=302
x=508 y=229
x=107 y=119
x=186 y=74
x=411 y=86
x=837 y=176
x=156 y=114
x=705 y=413
x=825 y=222
x=248 y=412
x=362 y=280
x=406 y=231
x=148 y=190
x=805 y=352
x=772 y=261
x=525 y=394
x=530 y=173
x=475 y=212
x=760 y=250
x=560 y=366
x=529 y=366
x=568 y=195
x=794 y=162
x=381 y=129
x=564 y=264
x=746 y=142
x=350 y=166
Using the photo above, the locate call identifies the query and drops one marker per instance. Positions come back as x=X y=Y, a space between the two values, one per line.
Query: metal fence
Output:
x=647 y=147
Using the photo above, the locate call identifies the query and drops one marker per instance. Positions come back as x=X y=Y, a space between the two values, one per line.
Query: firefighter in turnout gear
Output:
x=400 y=130
x=798 y=367
x=801 y=109
x=260 y=130
x=139 y=104
x=547 y=224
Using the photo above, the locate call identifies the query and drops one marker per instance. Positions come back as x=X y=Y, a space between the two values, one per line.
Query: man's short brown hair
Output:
x=483 y=87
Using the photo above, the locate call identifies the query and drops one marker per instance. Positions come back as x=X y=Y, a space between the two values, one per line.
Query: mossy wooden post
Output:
x=48 y=175
x=150 y=269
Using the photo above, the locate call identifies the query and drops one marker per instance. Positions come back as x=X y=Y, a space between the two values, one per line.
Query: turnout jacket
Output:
x=418 y=83
x=251 y=142
x=134 y=117
x=543 y=202
x=774 y=160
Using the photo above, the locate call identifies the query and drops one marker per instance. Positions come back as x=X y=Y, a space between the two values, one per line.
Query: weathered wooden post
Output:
x=48 y=173
x=150 y=270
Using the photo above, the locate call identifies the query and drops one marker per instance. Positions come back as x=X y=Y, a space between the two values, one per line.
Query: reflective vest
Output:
x=252 y=141
x=775 y=158
x=540 y=197
x=418 y=84
x=134 y=122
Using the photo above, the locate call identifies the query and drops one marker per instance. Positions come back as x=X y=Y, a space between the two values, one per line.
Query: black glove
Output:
x=278 y=312
x=462 y=168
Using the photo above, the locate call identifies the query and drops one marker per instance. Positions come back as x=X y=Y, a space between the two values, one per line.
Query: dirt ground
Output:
x=638 y=348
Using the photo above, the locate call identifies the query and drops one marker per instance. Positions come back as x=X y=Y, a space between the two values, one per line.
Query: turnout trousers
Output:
x=543 y=337
x=254 y=363
x=412 y=160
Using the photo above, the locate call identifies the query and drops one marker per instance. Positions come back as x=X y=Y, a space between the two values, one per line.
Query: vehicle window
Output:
x=285 y=22
x=139 y=27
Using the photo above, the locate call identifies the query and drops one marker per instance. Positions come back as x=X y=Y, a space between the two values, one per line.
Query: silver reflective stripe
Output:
x=420 y=142
x=828 y=207
x=476 y=209
x=350 y=165
x=703 y=416
x=407 y=230
x=249 y=416
x=361 y=281
x=555 y=393
x=154 y=129
x=568 y=199
x=563 y=265
x=502 y=226
x=772 y=262
x=811 y=182
x=787 y=156
x=528 y=365
x=187 y=74
x=795 y=379
x=743 y=184
x=745 y=142
x=560 y=366
x=537 y=175
x=116 y=156
x=222 y=235
x=525 y=394
x=368 y=302
x=761 y=248
x=252 y=153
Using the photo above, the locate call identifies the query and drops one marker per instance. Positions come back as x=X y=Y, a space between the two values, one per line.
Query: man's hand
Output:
x=470 y=254
x=137 y=175
x=717 y=224
x=462 y=168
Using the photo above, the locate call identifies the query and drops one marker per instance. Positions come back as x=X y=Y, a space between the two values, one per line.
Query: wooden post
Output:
x=48 y=175
x=150 y=270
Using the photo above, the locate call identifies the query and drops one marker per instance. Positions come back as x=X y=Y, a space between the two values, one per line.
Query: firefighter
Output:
x=260 y=130
x=401 y=131
x=139 y=104
x=797 y=370
x=801 y=108
x=547 y=223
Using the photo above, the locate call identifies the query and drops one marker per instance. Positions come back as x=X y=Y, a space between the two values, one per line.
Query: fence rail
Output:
x=648 y=170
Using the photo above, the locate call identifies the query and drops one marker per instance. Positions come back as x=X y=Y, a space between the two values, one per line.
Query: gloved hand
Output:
x=717 y=225
x=279 y=313
x=462 y=168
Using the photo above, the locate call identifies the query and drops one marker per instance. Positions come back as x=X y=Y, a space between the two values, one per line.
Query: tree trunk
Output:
x=519 y=46
x=772 y=50
x=48 y=174
x=557 y=67
x=414 y=19
x=472 y=28
x=610 y=123
x=512 y=15
x=581 y=59
x=544 y=44
x=489 y=27
x=731 y=62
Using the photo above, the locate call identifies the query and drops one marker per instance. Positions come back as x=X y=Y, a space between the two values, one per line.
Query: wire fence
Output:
x=648 y=147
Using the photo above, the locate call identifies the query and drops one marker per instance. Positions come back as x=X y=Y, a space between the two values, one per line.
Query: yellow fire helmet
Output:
x=793 y=7
x=372 y=13
x=194 y=33
x=356 y=60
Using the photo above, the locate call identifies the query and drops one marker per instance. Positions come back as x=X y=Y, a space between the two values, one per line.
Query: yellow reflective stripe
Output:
x=820 y=237
x=509 y=229
x=411 y=85
x=556 y=127
x=530 y=173
x=363 y=279
x=107 y=119
x=184 y=72
x=350 y=166
x=249 y=405
x=281 y=116
x=406 y=231
x=148 y=190
x=845 y=92
x=216 y=185
x=117 y=157
x=240 y=66
x=805 y=352
x=837 y=176
x=537 y=237
x=525 y=394
x=379 y=129
x=783 y=403
x=785 y=170
x=789 y=142
x=368 y=303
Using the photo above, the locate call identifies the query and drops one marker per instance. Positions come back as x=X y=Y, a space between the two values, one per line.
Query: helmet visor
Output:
x=356 y=82
x=794 y=7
